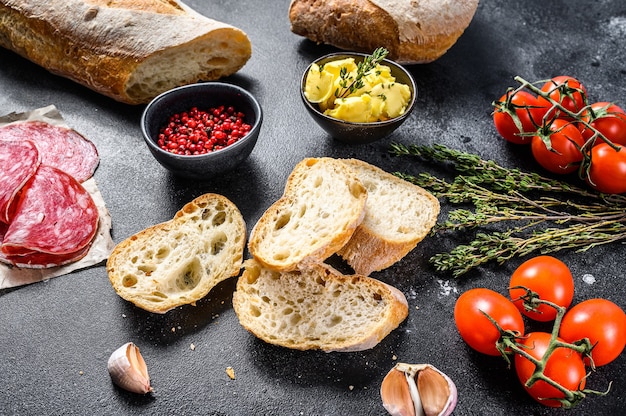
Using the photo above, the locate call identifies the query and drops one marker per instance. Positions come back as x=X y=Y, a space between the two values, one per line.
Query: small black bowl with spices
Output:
x=200 y=130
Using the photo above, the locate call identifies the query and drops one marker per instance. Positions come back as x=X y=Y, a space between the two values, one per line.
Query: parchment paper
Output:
x=103 y=243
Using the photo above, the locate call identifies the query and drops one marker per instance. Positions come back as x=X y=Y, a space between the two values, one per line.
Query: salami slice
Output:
x=55 y=218
x=18 y=163
x=59 y=147
x=36 y=260
x=3 y=230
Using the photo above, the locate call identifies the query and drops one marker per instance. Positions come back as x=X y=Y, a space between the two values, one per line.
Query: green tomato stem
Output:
x=509 y=344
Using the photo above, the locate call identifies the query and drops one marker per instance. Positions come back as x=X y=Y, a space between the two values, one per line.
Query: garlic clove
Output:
x=396 y=394
x=128 y=369
x=431 y=392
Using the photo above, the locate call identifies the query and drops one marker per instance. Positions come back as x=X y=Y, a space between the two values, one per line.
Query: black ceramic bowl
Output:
x=359 y=133
x=203 y=96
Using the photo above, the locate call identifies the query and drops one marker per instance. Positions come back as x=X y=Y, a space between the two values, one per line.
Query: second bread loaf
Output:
x=413 y=31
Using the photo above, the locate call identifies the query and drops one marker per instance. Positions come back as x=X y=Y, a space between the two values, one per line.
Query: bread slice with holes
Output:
x=398 y=215
x=179 y=261
x=317 y=308
x=322 y=204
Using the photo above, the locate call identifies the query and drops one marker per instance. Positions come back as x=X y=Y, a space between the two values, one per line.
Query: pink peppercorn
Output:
x=198 y=132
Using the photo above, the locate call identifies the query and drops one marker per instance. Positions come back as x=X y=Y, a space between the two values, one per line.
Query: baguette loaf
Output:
x=413 y=31
x=129 y=50
x=321 y=206
x=179 y=261
x=398 y=215
x=317 y=308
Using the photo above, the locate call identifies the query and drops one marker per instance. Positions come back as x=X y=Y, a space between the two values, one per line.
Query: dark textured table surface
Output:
x=56 y=336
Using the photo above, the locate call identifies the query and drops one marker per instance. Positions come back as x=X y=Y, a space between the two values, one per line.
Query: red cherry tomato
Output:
x=609 y=119
x=547 y=276
x=607 y=173
x=475 y=328
x=600 y=320
x=565 y=155
x=529 y=115
x=567 y=91
x=565 y=367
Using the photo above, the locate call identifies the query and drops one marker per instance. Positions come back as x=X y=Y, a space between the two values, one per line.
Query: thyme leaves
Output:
x=349 y=83
x=534 y=214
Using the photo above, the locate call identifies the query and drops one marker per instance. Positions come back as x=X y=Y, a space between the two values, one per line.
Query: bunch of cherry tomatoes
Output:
x=590 y=334
x=566 y=133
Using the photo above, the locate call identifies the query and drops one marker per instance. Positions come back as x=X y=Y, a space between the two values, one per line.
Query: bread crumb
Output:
x=193 y=347
x=589 y=278
x=231 y=372
x=80 y=373
x=351 y=388
x=394 y=357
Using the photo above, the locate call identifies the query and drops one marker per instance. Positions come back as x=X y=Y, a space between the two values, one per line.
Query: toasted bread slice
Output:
x=322 y=204
x=398 y=215
x=317 y=308
x=179 y=261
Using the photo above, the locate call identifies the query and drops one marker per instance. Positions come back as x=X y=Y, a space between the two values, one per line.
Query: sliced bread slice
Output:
x=398 y=215
x=322 y=204
x=179 y=261
x=317 y=308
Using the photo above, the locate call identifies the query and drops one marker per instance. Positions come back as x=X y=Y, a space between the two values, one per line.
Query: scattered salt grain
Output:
x=445 y=288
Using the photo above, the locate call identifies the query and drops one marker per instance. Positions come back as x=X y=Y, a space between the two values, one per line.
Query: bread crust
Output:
x=317 y=308
x=413 y=31
x=398 y=215
x=347 y=24
x=128 y=50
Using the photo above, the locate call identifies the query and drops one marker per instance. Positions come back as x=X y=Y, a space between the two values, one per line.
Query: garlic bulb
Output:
x=418 y=390
x=128 y=370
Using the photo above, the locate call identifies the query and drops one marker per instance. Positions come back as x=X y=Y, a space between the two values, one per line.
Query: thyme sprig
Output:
x=538 y=214
x=349 y=83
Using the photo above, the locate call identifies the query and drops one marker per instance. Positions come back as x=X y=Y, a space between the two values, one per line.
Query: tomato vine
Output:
x=520 y=349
